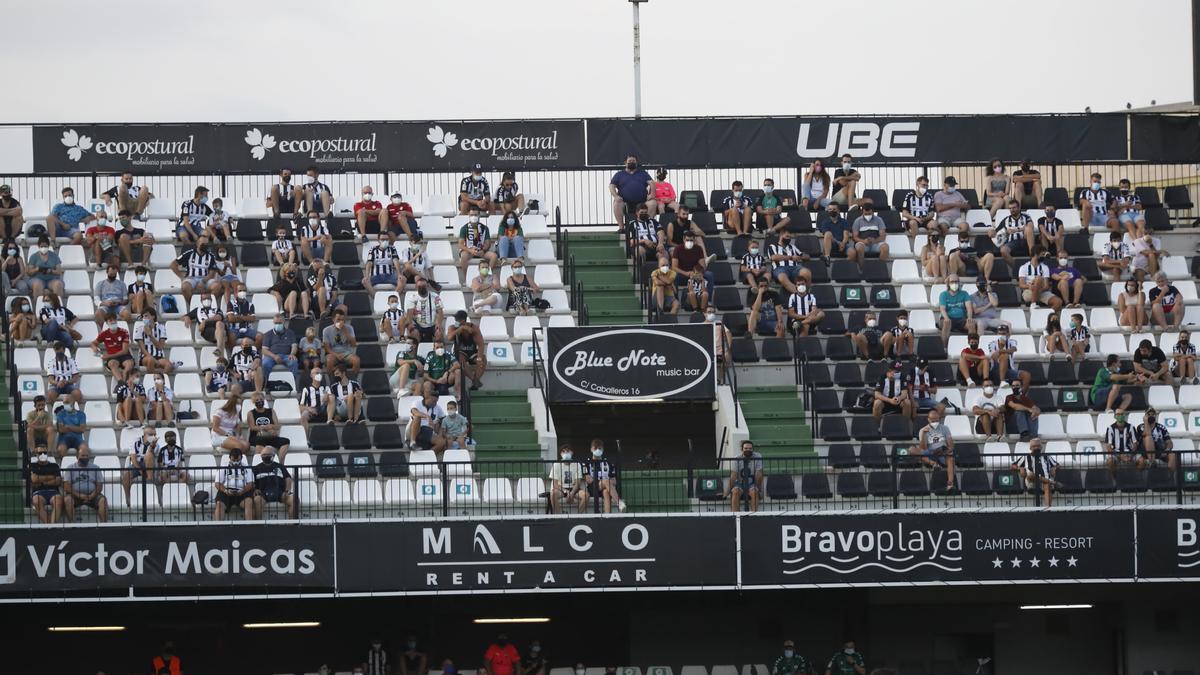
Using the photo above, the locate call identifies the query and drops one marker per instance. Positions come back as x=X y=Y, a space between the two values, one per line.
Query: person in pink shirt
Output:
x=664 y=193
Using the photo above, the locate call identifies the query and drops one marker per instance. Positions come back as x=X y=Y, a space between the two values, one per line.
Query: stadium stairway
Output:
x=603 y=270
x=775 y=416
x=503 y=429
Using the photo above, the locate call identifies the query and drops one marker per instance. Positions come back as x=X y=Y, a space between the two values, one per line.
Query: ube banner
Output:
x=167 y=558
x=1169 y=543
x=788 y=141
x=542 y=553
x=1028 y=546
x=625 y=363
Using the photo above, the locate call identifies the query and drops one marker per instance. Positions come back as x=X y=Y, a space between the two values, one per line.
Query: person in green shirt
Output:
x=406 y=370
x=770 y=209
x=790 y=663
x=441 y=370
x=848 y=661
x=1105 y=391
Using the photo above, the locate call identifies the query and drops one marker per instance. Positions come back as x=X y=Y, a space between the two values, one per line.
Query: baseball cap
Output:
x=950 y=181
x=477 y=167
x=5 y=188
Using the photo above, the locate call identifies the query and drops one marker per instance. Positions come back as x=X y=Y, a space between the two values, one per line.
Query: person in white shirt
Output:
x=1148 y=253
x=1034 y=281
x=989 y=409
x=565 y=483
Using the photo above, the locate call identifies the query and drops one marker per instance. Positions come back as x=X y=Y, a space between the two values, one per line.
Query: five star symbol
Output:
x=1053 y=561
x=1015 y=563
x=1071 y=561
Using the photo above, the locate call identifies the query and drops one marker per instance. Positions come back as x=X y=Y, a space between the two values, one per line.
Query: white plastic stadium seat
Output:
x=501 y=354
x=442 y=205
x=162 y=207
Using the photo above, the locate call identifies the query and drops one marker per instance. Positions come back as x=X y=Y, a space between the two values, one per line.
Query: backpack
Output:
x=169 y=305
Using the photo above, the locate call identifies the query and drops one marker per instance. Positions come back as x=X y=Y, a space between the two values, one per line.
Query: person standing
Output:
x=501 y=657
x=413 y=662
x=536 y=664
x=376 y=662
x=790 y=663
x=848 y=661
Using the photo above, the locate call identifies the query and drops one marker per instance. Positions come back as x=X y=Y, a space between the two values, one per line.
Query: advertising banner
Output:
x=790 y=141
x=544 y=553
x=625 y=363
x=937 y=547
x=1164 y=138
x=496 y=146
x=141 y=148
x=1168 y=543
x=166 y=558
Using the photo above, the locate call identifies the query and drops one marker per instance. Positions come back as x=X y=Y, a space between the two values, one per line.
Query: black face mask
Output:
x=632 y=166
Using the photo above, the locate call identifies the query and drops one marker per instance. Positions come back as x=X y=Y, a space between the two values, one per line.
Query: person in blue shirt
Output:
x=71 y=422
x=66 y=217
x=955 y=306
x=1068 y=281
x=835 y=234
x=632 y=186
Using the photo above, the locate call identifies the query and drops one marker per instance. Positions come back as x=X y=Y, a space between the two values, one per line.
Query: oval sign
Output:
x=633 y=363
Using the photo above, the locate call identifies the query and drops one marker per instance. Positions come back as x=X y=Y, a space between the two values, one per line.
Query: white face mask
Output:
x=44 y=249
x=518 y=270
x=920 y=190
x=754 y=251
x=664 y=269
x=512 y=222
x=689 y=244
x=397 y=201
x=768 y=189
x=801 y=288
x=316 y=377
x=988 y=391
x=314 y=221
x=953 y=286
x=309 y=180
x=141 y=277
x=1062 y=262
x=367 y=196
x=738 y=194
x=951 y=189
x=902 y=322
x=711 y=317
x=393 y=305
x=871 y=323
x=69 y=200
x=1095 y=186
x=241 y=295
x=567 y=456
x=846 y=166
x=102 y=221
x=206 y=303
x=440 y=351
x=43 y=457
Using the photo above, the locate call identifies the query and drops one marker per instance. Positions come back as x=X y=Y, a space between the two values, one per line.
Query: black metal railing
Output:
x=539 y=370
x=893 y=480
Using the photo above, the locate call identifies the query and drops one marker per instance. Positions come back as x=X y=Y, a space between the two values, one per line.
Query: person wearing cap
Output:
x=1038 y=471
x=629 y=187
x=1155 y=442
x=368 y=209
x=869 y=234
x=1021 y=413
x=473 y=191
x=954 y=305
x=935 y=447
x=508 y=196
x=12 y=214
x=67 y=218
x=790 y=663
x=950 y=206
x=400 y=216
x=468 y=347
x=891 y=395
x=126 y=195
x=317 y=195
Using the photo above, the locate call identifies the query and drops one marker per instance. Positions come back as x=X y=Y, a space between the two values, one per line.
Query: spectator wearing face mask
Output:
x=234 y=488
x=141 y=291
x=922 y=388
x=468 y=348
x=196 y=267
x=766 y=313
x=1021 y=413
x=220 y=223
x=15 y=278
x=745 y=479
x=285 y=197
x=631 y=185
x=272 y=484
x=933 y=258
x=848 y=661
x=803 y=313
x=898 y=341
x=646 y=234
x=566 y=483
x=509 y=199
x=475 y=241
x=786 y=263
x=1067 y=282
x=141 y=460
x=989 y=410
x=697 y=292
x=170 y=461
x=600 y=475
x=536 y=663
x=316 y=400
x=916 y=210
x=770 y=209
x=279 y=348
x=891 y=394
x=62 y=376
x=348 y=398
x=400 y=215
x=45 y=484
x=1121 y=443
x=407 y=367
x=377 y=661
x=816 y=187
x=45 y=269
x=845 y=183
x=522 y=291
x=413 y=661
x=1183 y=355
x=317 y=195
x=316 y=242
x=1128 y=207
x=868 y=341
x=283 y=249
x=219 y=379
x=870 y=234
x=1106 y=389
x=290 y=293
x=455 y=428
x=485 y=290
x=210 y=321
x=935 y=447
x=341 y=344
x=1096 y=205
x=425 y=421
x=369 y=214
x=950 y=206
x=790 y=663
x=835 y=235
x=965 y=258
x=1117 y=259
x=1027 y=185
x=954 y=305
x=229 y=278
x=1151 y=365
x=264 y=428
x=1079 y=338
x=985 y=309
x=1166 y=303
x=753 y=267
x=511 y=243
x=67 y=218
x=126 y=195
x=382 y=265
x=502 y=657
x=1053 y=339
x=441 y=371
x=662 y=283
x=1155 y=442
x=130 y=394
x=247 y=365
x=71 y=424
x=1014 y=234
x=112 y=297
x=1050 y=233
x=21 y=322
x=1004 y=368
x=665 y=197
x=193 y=216
x=39 y=425
x=84 y=486
x=100 y=240
x=999 y=185
x=1038 y=471
x=473 y=193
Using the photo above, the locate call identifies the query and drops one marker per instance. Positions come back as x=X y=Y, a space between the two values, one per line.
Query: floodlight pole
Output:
x=637 y=57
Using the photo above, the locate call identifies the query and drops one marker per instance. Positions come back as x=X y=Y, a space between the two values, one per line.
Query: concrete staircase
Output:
x=502 y=425
x=776 y=418
x=603 y=270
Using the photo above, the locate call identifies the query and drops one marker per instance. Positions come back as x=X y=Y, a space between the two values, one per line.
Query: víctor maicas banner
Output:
x=1019 y=546
x=626 y=363
x=167 y=559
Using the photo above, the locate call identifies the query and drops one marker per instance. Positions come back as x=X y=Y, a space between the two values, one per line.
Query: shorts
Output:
x=231 y=500
x=1130 y=217
x=1043 y=297
x=137 y=466
x=209 y=331
x=94 y=502
x=70 y=439
x=270 y=440
x=958 y=325
x=1012 y=375
x=985 y=324
x=1100 y=400
x=243 y=332
x=272 y=496
x=47 y=494
x=389 y=278
x=229 y=277
x=64 y=389
x=214 y=387
x=872 y=248
x=841 y=248
x=767 y=325
x=218 y=439
x=1160 y=454
x=746 y=485
x=956 y=221
x=925 y=402
x=1098 y=220
x=341 y=409
x=441 y=388
x=890 y=408
x=791 y=271
x=1017 y=246
x=819 y=203
x=196 y=281
x=120 y=360
x=425 y=437
x=1140 y=262
x=938 y=454
x=425 y=333
x=115 y=310
x=47 y=278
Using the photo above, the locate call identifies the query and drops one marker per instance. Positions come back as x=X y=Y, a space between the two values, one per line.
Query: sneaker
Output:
x=621 y=505
x=1108 y=412
x=178 y=364
x=709 y=259
x=1005 y=385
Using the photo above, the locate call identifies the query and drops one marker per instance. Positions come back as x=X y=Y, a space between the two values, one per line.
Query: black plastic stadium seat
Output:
x=1001 y=272
x=878 y=199
x=361 y=465
x=716 y=199
x=848 y=375
x=913 y=483
x=375 y=383
x=896 y=428
x=358 y=303
x=248 y=230
x=388 y=436
x=370 y=356
x=815 y=486
x=1158 y=219
x=841 y=456
x=253 y=255
x=1160 y=479
x=881 y=483
x=323 y=437
x=853 y=297
x=1148 y=197
x=845 y=272
x=892 y=223
x=781 y=488
x=715 y=246
x=864 y=428
x=1037 y=373
x=1078 y=244
x=356 y=436
x=745 y=350
x=811 y=346
x=1062 y=373
x=1088 y=268
x=346 y=253
x=381 y=409
x=1131 y=480
x=839 y=348
x=365 y=329
x=884 y=297
x=975 y=483
x=1006 y=295
x=1057 y=197
x=971 y=196
x=329 y=465
x=876 y=272
x=709 y=489
x=1099 y=480
x=723 y=274
x=1095 y=294
x=350 y=278
x=704 y=220
x=826 y=296
x=727 y=299
x=736 y=323
x=1070 y=481
x=1007 y=482
x=820 y=273
x=851 y=485
x=931 y=347
x=694 y=200
x=1177 y=197
x=874 y=456
x=777 y=349
x=393 y=464
x=1043 y=399
x=834 y=429
x=817 y=374
x=967 y=456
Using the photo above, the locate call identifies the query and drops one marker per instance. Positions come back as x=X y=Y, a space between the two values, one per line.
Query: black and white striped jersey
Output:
x=195 y=264
x=890 y=387
x=918 y=205
x=62 y=367
x=244 y=358
x=313 y=396
x=782 y=249
x=475 y=189
x=1040 y=465
x=1050 y=226
x=1122 y=440
x=381 y=258
x=195 y=213
x=803 y=304
x=1100 y=200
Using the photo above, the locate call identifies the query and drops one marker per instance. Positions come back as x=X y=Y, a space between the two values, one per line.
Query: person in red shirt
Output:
x=501 y=658
x=972 y=362
x=406 y=222
x=101 y=240
x=369 y=209
x=115 y=342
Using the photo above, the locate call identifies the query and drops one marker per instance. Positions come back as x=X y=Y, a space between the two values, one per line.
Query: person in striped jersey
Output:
x=1096 y=205
x=917 y=209
x=284 y=197
x=1038 y=469
x=1184 y=359
x=1129 y=209
x=1120 y=443
x=1050 y=233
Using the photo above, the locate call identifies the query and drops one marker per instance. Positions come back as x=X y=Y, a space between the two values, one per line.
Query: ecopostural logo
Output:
x=77 y=144
x=315 y=148
x=443 y=141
